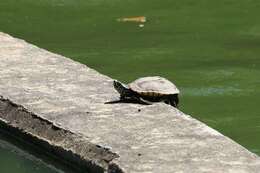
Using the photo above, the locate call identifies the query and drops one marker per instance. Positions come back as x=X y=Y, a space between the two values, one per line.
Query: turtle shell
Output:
x=153 y=86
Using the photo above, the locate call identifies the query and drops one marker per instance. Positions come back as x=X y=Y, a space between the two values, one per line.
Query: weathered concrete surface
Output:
x=136 y=138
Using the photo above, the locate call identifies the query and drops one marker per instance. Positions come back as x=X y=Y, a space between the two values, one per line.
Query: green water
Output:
x=210 y=49
x=15 y=160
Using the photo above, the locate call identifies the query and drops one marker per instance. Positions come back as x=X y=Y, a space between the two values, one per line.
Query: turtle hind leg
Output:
x=174 y=100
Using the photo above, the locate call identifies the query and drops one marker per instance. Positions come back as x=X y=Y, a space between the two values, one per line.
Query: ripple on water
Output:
x=217 y=91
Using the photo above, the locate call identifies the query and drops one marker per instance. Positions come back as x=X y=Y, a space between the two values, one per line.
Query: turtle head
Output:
x=121 y=88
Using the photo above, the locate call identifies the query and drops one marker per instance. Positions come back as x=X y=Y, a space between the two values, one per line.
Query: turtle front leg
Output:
x=138 y=100
x=134 y=98
x=143 y=101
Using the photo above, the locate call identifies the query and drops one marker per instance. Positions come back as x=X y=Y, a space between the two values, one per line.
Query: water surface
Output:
x=15 y=160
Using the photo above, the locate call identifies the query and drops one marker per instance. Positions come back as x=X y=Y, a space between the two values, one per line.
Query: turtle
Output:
x=148 y=90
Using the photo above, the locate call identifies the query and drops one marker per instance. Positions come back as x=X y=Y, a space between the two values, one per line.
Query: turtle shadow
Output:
x=126 y=101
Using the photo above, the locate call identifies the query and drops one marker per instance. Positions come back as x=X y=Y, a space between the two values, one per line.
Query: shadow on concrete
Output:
x=126 y=101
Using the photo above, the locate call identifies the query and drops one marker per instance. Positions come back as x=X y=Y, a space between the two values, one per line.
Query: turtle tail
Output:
x=122 y=89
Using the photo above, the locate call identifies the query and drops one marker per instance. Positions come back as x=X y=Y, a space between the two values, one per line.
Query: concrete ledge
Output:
x=74 y=149
x=58 y=104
